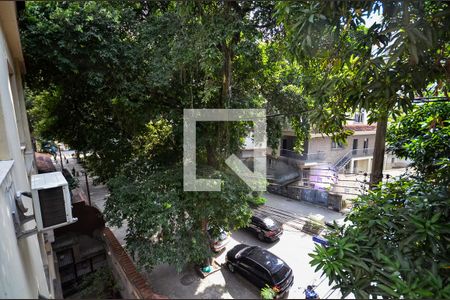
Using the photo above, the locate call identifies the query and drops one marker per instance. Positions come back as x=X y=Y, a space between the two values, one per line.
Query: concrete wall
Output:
x=22 y=271
x=318 y=197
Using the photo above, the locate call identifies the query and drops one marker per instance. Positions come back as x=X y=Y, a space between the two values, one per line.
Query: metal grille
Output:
x=52 y=206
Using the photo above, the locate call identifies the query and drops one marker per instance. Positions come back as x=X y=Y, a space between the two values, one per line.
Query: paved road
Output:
x=293 y=247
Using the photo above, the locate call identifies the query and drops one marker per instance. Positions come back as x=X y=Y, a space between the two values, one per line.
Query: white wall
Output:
x=21 y=267
x=323 y=144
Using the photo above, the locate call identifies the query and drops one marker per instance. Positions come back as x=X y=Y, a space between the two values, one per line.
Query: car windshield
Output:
x=281 y=274
x=270 y=223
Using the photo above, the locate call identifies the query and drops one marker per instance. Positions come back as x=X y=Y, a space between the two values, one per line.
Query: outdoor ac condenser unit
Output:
x=51 y=201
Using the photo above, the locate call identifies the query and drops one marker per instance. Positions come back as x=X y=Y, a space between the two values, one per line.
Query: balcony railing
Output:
x=355 y=153
x=362 y=152
x=319 y=156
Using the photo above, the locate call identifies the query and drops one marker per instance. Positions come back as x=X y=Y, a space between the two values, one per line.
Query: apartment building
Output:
x=324 y=162
x=26 y=261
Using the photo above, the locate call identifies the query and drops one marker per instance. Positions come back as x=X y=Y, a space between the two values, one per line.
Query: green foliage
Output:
x=99 y=285
x=167 y=225
x=115 y=84
x=380 y=68
x=72 y=181
x=423 y=136
x=258 y=201
x=396 y=246
x=397 y=243
x=268 y=293
x=312 y=226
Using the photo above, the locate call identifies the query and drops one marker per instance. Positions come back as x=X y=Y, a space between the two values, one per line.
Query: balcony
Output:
x=306 y=157
x=362 y=152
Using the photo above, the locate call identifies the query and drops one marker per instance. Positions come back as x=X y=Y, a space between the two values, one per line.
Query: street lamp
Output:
x=87 y=186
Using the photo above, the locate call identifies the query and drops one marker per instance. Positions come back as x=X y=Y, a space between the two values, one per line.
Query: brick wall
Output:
x=133 y=284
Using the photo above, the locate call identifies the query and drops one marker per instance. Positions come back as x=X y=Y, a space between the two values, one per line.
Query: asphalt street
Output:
x=293 y=247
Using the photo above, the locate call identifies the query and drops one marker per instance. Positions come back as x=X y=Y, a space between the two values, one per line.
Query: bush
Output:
x=72 y=181
x=254 y=202
x=312 y=226
x=99 y=285
x=268 y=293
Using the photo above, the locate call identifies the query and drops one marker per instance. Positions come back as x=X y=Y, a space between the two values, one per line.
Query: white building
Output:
x=324 y=163
x=26 y=261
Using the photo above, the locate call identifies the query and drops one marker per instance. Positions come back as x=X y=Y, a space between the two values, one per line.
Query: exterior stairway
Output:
x=355 y=153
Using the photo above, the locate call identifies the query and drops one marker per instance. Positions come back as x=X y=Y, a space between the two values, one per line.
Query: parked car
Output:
x=261 y=268
x=265 y=228
x=218 y=241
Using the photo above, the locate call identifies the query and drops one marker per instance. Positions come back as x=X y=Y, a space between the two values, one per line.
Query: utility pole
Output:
x=60 y=157
x=87 y=186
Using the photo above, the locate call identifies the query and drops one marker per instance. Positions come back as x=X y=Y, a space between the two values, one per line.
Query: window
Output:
x=359 y=116
x=335 y=145
x=366 y=143
x=256 y=269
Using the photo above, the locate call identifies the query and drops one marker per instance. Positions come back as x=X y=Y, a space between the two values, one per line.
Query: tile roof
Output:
x=361 y=127
x=44 y=162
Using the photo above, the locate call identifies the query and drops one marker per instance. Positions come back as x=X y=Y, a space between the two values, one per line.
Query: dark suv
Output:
x=261 y=268
x=265 y=228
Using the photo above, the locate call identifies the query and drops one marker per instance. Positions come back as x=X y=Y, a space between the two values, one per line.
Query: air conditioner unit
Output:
x=51 y=201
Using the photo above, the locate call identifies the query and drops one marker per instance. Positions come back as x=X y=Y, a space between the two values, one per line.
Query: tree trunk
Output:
x=204 y=226
x=226 y=73
x=378 y=153
x=211 y=155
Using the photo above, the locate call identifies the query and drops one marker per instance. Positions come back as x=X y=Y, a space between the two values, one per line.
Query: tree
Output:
x=396 y=243
x=136 y=66
x=82 y=91
x=422 y=136
x=380 y=68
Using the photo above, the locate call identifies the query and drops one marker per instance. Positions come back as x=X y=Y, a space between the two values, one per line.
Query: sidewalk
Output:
x=99 y=193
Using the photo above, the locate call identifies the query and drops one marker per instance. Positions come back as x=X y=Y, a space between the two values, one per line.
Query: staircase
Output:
x=344 y=160
x=340 y=163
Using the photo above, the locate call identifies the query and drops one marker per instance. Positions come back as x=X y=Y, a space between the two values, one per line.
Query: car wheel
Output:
x=261 y=236
x=230 y=267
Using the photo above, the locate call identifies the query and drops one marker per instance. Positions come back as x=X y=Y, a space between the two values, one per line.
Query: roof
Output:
x=361 y=127
x=10 y=27
x=44 y=163
x=266 y=259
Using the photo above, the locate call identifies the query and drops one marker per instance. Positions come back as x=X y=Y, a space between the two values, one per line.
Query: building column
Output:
x=351 y=166
x=369 y=166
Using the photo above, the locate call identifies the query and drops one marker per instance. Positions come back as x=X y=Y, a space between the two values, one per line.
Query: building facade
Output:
x=323 y=162
x=26 y=261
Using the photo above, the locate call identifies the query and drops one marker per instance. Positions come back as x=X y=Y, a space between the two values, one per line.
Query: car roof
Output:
x=269 y=221
x=266 y=259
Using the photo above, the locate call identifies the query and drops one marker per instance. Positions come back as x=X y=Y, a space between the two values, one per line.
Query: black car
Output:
x=265 y=228
x=260 y=267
